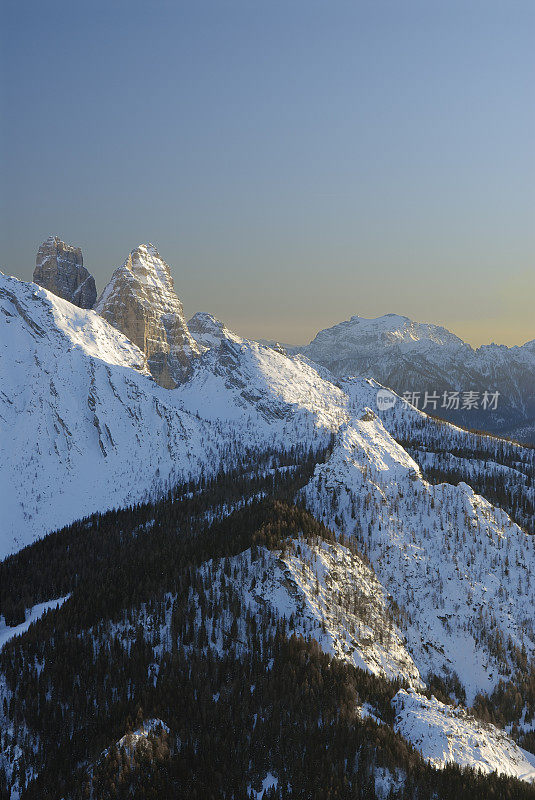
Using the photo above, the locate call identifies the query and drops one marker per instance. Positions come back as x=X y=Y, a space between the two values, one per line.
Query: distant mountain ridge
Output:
x=418 y=358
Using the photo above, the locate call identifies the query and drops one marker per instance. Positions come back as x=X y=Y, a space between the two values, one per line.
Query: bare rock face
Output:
x=140 y=301
x=60 y=268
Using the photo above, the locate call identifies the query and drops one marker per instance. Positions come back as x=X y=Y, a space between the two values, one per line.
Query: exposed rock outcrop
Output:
x=60 y=268
x=140 y=301
x=208 y=331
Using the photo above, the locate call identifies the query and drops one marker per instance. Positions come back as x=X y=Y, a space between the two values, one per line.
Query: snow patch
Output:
x=7 y=632
x=444 y=734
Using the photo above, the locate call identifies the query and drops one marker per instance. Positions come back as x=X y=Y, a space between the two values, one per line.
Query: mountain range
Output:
x=491 y=388
x=259 y=548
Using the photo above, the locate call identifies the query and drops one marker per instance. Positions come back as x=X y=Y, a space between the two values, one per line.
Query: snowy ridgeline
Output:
x=419 y=357
x=84 y=428
x=327 y=593
x=109 y=435
x=457 y=567
x=449 y=587
x=322 y=591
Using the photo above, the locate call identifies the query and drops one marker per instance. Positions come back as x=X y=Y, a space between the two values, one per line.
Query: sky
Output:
x=295 y=162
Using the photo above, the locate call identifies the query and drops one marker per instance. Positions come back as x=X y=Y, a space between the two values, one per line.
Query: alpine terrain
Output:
x=228 y=573
x=438 y=371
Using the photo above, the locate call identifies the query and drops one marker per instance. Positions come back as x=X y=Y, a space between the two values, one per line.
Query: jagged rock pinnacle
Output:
x=141 y=302
x=60 y=268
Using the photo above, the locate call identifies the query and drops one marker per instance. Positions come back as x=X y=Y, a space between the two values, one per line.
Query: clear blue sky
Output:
x=295 y=162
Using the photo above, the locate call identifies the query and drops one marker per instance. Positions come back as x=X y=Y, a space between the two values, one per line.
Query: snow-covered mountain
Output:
x=83 y=425
x=77 y=404
x=443 y=551
x=332 y=596
x=420 y=358
x=444 y=584
x=209 y=331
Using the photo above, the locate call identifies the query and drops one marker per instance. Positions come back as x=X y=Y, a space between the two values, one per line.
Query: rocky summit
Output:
x=141 y=302
x=59 y=267
x=208 y=331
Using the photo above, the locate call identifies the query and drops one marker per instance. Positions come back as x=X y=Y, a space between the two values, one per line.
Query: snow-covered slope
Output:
x=320 y=589
x=83 y=427
x=7 y=632
x=444 y=734
x=328 y=594
x=447 y=556
x=256 y=386
x=418 y=358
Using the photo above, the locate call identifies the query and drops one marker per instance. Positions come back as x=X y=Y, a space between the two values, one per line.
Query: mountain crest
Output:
x=141 y=302
x=426 y=360
x=59 y=268
x=209 y=331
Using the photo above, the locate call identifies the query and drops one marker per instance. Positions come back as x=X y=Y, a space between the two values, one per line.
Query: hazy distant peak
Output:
x=425 y=359
x=387 y=330
x=390 y=319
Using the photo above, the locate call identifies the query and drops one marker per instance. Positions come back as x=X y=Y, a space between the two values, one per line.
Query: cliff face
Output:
x=141 y=302
x=60 y=269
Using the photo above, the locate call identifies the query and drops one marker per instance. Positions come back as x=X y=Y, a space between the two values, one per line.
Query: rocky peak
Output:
x=60 y=268
x=208 y=331
x=141 y=302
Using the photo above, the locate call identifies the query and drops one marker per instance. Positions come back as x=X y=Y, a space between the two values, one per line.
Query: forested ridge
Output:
x=55 y=565
x=152 y=597
x=496 y=468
